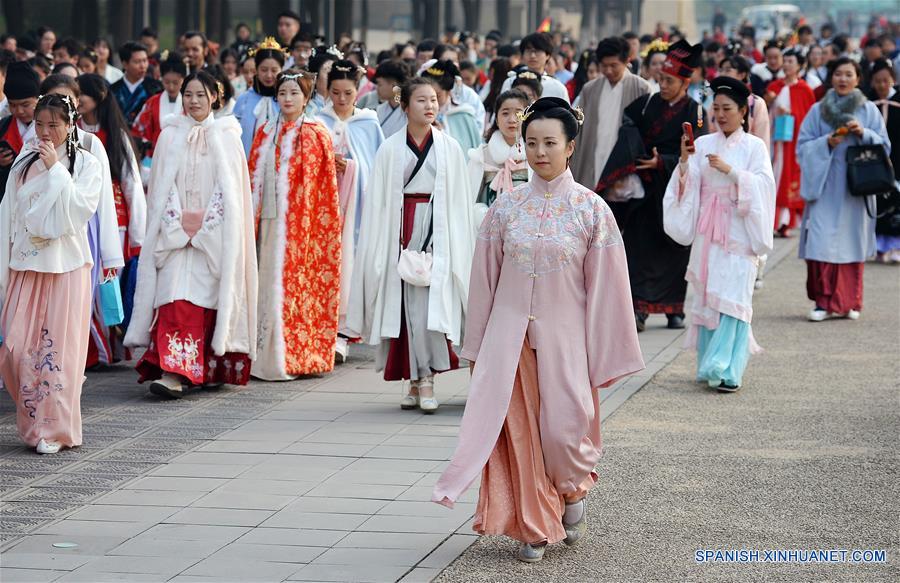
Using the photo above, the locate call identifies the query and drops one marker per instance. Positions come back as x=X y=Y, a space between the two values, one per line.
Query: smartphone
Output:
x=689 y=132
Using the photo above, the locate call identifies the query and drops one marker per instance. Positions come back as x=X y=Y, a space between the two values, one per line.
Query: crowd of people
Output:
x=253 y=210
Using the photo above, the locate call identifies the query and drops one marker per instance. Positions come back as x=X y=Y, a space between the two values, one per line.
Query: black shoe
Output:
x=640 y=321
x=726 y=388
x=676 y=322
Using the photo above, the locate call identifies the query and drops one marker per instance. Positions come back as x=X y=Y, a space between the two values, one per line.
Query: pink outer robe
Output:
x=549 y=262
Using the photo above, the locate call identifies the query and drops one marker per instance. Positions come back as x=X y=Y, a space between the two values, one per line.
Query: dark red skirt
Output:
x=835 y=287
x=397 y=366
x=181 y=344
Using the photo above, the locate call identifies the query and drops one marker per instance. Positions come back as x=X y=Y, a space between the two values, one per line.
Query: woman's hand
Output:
x=47 y=153
x=648 y=163
x=340 y=164
x=855 y=127
x=716 y=162
x=834 y=140
x=686 y=150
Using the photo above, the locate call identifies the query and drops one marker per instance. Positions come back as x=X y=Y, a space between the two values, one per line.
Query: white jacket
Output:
x=43 y=223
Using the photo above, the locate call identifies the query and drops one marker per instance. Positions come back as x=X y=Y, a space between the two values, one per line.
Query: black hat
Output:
x=22 y=81
x=733 y=87
x=682 y=58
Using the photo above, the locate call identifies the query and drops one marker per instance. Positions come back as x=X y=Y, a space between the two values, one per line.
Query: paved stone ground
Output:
x=318 y=479
x=804 y=457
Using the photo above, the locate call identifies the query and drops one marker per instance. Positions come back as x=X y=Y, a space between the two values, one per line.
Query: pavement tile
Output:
x=195 y=470
x=371 y=557
x=460 y=511
x=269 y=552
x=315 y=520
x=420 y=575
x=388 y=478
x=87 y=544
x=385 y=523
x=445 y=554
x=197 y=532
x=293 y=537
x=11 y=575
x=222 y=458
x=168 y=567
x=149 y=498
x=374 y=491
x=336 y=505
x=272 y=430
x=87 y=575
x=242 y=500
x=178 y=484
x=219 y=516
x=263 y=486
x=124 y=513
x=71 y=528
x=374 y=464
x=240 y=446
x=43 y=561
x=329 y=449
x=148 y=545
x=356 y=573
x=242 y=569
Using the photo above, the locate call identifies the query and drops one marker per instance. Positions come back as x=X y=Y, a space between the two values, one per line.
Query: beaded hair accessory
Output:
x=527 y=75
x=343 y=69
x=335 y=52
x=397 y=91
x=268 y=44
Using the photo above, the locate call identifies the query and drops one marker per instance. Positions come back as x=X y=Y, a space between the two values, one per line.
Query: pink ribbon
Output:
x=503 y=181
x=715 y=225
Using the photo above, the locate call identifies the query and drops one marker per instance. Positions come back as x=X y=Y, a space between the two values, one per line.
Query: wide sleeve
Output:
x=372 y=244
x=813 y=155
x=874 y=130
x=475 y=175
x=6 y=238
x=110 y=245
x=610 y=334
x=483 y=280
x=67 y=203
x=135 y=199
x=681 y=203
x=760 y=123
x=756 y=198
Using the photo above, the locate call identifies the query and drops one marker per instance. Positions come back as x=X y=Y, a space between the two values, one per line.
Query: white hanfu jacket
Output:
x=111 y=255
x=216 y=268
x=728 y=220
x=375 y=295
x=43 y=222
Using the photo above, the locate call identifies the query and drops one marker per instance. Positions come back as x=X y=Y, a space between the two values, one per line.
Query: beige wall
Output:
x=680 y=12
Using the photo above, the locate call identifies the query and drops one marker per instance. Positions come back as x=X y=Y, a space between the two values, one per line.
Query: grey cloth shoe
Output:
x=531 y=553
x=575 y=532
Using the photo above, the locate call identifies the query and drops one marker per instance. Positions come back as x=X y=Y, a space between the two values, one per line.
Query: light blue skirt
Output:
x=722 y=354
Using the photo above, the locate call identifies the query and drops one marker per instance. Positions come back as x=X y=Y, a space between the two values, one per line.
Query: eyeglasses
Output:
x=533 y=52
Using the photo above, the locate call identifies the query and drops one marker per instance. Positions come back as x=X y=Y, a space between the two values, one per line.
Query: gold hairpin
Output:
x=658 y=46
x=397 y=91
x=523 y=115
x=435 y=72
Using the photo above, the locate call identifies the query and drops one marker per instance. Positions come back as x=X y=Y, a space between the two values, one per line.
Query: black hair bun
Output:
x=554 y=108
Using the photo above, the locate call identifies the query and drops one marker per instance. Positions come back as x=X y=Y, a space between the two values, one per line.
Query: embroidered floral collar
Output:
x=557 y=186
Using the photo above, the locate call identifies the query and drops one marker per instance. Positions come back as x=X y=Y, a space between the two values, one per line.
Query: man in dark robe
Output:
x=653 y=125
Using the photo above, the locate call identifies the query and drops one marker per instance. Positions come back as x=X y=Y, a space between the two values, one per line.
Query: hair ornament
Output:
x=579 y=115
x=268 y=44
x=435 y=72
x=658 y=45
x=343 y=69
x=511 y=75
x=164 y=56
x=397 y=90
x=335 y=52
x=527 y=75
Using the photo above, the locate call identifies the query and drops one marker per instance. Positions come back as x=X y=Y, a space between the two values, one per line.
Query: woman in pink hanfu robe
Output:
x=721 y=200
x=548 y=324
x=45 y=278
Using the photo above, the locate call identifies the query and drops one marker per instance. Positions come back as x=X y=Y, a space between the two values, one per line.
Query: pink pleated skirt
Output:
x=45 y=322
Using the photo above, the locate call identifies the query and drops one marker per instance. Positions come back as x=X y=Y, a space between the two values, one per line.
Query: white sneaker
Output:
x=409 y=402
x=342 y=348
x=45 y=447
x=758 y=284
x=817 y=315
x=853 y=315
